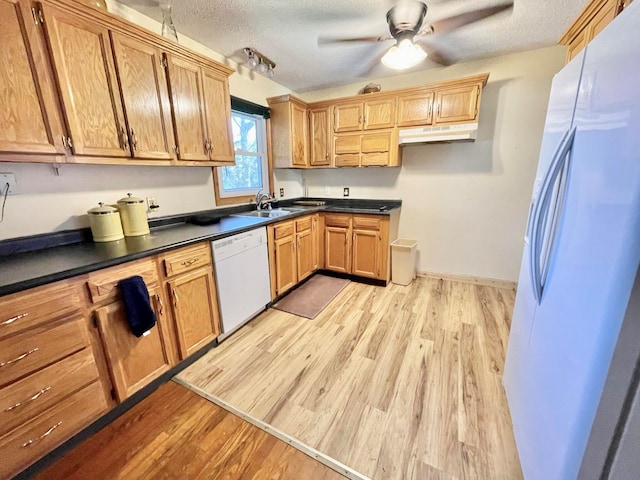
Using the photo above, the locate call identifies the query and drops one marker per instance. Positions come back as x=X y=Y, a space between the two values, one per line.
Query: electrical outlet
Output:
x=9 y=178
x=153 y=205
x=345 y=192
x=281 y=192
x=327 y=190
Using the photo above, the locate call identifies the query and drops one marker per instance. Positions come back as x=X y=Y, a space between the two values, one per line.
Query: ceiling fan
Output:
x=406 y=27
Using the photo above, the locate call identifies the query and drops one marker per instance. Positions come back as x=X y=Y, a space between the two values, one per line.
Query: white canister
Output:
x=105 y=223
x=134 y=216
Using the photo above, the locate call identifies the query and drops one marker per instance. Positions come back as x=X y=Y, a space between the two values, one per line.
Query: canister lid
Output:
x=102 y=210
x=130 y=199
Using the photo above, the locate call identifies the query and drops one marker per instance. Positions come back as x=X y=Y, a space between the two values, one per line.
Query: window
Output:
x=251 y=171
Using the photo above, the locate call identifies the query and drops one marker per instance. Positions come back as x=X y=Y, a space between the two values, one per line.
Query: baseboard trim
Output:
x=486 y=282
x=326 y=460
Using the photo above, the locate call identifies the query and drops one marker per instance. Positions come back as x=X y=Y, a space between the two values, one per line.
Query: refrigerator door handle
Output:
x=540 y=210
x=563 y=173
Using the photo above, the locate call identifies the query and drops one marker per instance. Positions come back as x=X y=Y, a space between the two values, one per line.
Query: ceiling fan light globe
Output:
x=404 y=55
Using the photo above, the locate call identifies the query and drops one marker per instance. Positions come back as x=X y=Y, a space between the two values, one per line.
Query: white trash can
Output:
x=403 y=261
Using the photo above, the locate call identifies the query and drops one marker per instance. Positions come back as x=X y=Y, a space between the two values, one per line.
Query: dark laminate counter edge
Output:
x=33 y=269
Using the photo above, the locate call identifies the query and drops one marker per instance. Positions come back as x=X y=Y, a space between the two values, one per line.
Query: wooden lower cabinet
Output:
x=357 y=244
x=195 y=310
x=293 y=252
x=134 y=362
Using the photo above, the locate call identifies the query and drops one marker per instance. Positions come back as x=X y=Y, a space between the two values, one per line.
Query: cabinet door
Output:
x=146 y=100
x=457 y=104
x=375 y=149
x=30 y=120
x=83 y=64
x=133 y=361
x=578 y=44
x=603 y=18
x=366 y=253
x=338 y=249
x=415 y=110
x=187 y=107
x=217 y=104
x=347 y=118
x=315 y=241
x=285 y=262
x=379 y=113
x=195 y=310
x=299 y=129
x=320 y=141
x=304 y=254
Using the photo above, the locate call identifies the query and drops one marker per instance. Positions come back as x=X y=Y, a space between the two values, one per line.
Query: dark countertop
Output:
x=21 y=271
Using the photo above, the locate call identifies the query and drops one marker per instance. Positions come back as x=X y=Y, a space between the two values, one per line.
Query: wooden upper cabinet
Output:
x=217 y=103
x=30 y=120
x=146 y=99
x=320 y=141
x=415 y=110
x=595 y=16
x=457 y=104
x=187 y=104
x=83 y=64
x=289 y=132
x=379 y=113
x=347 y=117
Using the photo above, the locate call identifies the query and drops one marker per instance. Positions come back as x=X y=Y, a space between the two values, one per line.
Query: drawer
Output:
x=27 y=443
x=375 y=159
x=186 y=259
x=373 y=143
x=282 y=230
x=303 y=224
x=347 y=160
x=103 y=284
x=337 y=220
x=369 y=222
x=347 y=144
x=34 y=307
x=34 y=394
x=30 y=351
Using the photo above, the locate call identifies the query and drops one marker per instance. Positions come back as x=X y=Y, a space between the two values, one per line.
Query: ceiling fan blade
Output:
x=333 y=40
x=437 y=56
x=451 y=23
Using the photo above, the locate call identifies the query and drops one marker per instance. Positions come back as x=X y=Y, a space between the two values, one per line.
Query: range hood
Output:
x=439 y=133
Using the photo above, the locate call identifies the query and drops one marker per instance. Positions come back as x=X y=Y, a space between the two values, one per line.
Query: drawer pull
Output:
x=13 y=319
x=186 y=263
x=45 y=434
x=30 y=399
x=17 y=359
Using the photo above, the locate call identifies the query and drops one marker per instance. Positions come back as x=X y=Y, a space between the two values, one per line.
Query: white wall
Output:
x=50 y=203
x=466 y=203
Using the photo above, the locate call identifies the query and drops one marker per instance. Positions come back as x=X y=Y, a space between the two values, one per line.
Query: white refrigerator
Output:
x=581 y=254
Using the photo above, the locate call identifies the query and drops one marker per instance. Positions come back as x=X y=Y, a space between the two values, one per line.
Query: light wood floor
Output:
x=395 y=382
x=176 y=434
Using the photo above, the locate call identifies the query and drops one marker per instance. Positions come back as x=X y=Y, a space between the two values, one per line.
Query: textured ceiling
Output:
x=287 y=32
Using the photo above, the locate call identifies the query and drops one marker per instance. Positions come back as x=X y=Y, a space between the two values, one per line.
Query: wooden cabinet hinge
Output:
x=38 y=16
x=176 y=150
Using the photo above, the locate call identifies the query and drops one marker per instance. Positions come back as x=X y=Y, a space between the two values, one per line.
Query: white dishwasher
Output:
x=242 y=277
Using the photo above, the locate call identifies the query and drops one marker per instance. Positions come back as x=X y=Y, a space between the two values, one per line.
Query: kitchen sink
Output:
x=265 y=213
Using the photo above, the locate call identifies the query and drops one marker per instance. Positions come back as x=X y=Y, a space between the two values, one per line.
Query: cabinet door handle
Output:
x=18 y=358
x=186 y=263
x=30 y=399
x=430 y=110
x=134 y=140
x=438 y=113
x=124 y=138
x=45 y=434
x=160 y=305
x=175 y=297
x=13 y=319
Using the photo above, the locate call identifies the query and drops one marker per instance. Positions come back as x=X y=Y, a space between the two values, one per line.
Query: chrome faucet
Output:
x=263 y=199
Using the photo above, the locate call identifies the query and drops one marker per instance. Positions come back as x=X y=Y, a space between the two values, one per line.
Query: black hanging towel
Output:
x=137 y=305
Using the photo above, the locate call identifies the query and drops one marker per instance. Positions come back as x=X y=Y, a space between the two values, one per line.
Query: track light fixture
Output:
x=260 y=63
